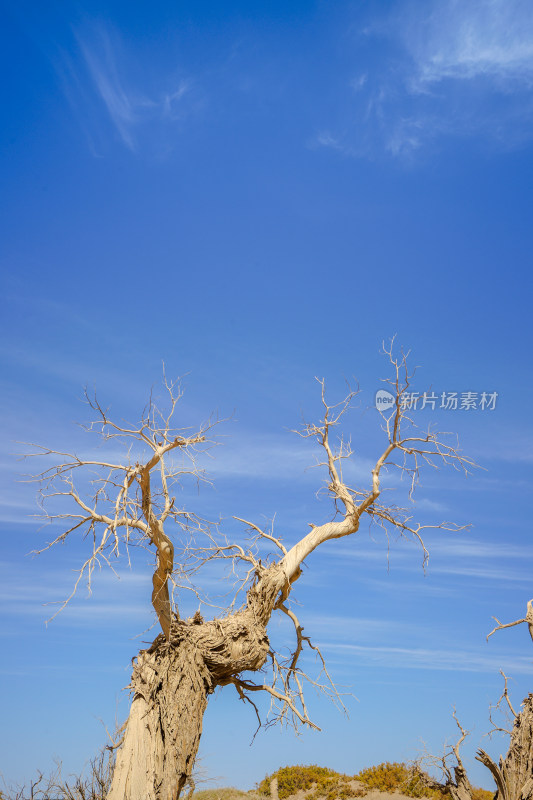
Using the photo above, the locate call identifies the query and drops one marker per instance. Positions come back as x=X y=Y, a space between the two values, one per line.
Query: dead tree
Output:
x=93 y=785
x=456 y=782
x=513 y=774
x=132 y=503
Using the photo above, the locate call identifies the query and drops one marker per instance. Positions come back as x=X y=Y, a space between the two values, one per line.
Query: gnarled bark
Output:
x=172 y=681
x=460 y=788
x=514 y=774
x=171 y=685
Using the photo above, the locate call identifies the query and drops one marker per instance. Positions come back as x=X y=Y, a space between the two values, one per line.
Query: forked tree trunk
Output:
x=514 y=775
x=171 y=683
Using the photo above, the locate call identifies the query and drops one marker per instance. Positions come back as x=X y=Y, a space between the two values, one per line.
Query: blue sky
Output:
x=258 y=194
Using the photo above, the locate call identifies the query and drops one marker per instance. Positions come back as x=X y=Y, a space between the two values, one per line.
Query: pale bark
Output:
x=171 y=683
x=528 y=618
x=514 y=774
x=164 y=725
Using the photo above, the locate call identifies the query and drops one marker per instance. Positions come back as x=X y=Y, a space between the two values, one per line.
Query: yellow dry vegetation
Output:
x=321 y=782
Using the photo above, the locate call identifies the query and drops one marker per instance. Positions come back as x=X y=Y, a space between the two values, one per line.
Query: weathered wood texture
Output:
x=171 y=683
x=514 y=774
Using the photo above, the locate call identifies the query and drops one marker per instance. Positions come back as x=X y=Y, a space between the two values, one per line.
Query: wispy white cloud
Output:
x=259 y=455
x=463 y=558
x=430 y=658
x=40 y=594
x=327 y=139
x=466 y=547
x=359 y=81
x=425 y=504
x=507 y=445
x=462 y=41
x=122 y=106
x=360 y=627
x=460 y=68
x=103 y=72
x=483 y=572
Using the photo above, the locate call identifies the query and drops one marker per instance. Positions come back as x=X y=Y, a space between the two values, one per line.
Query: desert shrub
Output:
x=481 y=794
x=317 y=782
x=299 y=778
x=400 y=777
x=386 y=777
x=337 y=788
x=227 y=793
x=321 y=782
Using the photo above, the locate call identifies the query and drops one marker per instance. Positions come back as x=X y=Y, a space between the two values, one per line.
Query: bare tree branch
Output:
x=497 y=707
x=528 y=618
x=403 y=441
x=454 y=773
x=127 y=508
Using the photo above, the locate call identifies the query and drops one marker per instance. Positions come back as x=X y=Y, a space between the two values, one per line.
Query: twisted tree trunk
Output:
x=172 y=681
x=171 y=686
x=514 y=774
